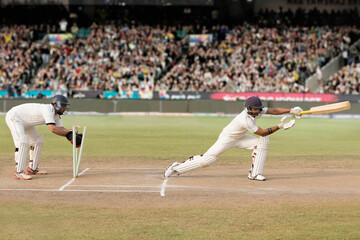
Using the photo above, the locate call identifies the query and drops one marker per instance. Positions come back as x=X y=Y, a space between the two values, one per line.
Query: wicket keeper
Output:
x=234 y=135
x=22 y=120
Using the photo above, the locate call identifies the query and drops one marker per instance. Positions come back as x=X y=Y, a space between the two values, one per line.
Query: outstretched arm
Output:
x=277 y=111
x=265 y=132
x=282 y=124
x=61 y=131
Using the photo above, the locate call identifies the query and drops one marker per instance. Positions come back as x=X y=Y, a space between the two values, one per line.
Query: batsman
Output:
x=234 y=135
x=22 y=120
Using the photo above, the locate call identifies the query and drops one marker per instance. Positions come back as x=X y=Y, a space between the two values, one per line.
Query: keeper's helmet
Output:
x=58 y=101
x=251 y=103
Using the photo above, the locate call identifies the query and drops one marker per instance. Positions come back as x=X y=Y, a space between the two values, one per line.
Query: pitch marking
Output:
x=83 y=171
x=163 y=186
x=80 y=190
x=72 y=180
x=120 y=186
x=67 y=184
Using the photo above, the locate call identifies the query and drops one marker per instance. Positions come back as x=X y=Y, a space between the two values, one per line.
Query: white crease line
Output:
x=110 y=169
x=56 y=167
x=163 y=186
x=151 y=191
x=72 y=180
x=127 y=170
x=67 y=184
x=121 y=186
x=29 y=189
x=83 y=171
x=80 y=190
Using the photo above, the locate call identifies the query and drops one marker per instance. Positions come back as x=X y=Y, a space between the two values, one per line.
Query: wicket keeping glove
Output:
x=69 y=137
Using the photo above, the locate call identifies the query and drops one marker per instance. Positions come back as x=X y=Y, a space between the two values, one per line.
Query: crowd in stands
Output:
x=137 y=57
x=111 y=58
x=346 y=80
x=314 y=17
x=20 y=57
x=252 y=59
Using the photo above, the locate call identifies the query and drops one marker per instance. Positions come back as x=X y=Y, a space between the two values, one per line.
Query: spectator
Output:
x=10 y=89
x=134 y=58
x=345 y=81
x=319 y=78
x=74 y=30
x=63 y=25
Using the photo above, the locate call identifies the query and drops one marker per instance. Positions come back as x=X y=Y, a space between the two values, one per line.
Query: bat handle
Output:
x=305 y=112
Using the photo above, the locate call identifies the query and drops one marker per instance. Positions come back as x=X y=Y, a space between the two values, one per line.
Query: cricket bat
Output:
x=335 y=107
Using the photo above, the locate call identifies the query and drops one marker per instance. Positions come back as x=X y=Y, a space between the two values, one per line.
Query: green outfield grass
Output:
x=326 y=221
x=176 y=138
x=166 y=139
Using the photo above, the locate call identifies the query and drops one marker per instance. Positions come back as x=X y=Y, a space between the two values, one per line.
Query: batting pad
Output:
x=21 y=154
x=35 y=152
x=195 y=162
x=259 y=156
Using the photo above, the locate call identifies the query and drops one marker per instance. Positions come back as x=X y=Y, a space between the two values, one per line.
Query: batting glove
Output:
x=285 y=125
x=296 y=111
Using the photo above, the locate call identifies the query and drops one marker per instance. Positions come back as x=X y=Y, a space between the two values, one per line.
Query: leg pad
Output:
x=195 y=162
x=259 y=156
x=35 y=152
x=21 y=154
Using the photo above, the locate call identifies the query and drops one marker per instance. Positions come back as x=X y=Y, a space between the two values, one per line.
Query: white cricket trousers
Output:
x=18 y=130
x=224 y=143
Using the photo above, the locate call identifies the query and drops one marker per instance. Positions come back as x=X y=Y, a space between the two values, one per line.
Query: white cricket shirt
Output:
x=34 y=114
x=241 y=124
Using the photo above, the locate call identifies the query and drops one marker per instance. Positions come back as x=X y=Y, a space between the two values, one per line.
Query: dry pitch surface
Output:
x=139 y=185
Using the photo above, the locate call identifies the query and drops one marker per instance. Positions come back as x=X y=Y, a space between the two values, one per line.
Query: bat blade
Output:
x=335 y=107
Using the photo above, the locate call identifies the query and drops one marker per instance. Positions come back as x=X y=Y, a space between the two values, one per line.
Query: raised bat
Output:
x=335 y=107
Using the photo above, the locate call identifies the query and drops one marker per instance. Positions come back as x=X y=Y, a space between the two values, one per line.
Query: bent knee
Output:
x=207 y=160
x=263 y=143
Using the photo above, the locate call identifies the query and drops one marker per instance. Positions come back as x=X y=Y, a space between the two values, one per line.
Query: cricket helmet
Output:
x=253 y=102
x=58 y=101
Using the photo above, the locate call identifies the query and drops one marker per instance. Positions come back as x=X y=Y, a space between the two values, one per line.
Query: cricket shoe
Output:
x=22 y=176
x=258 y=177
x=169 y=171
x=29 y=171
